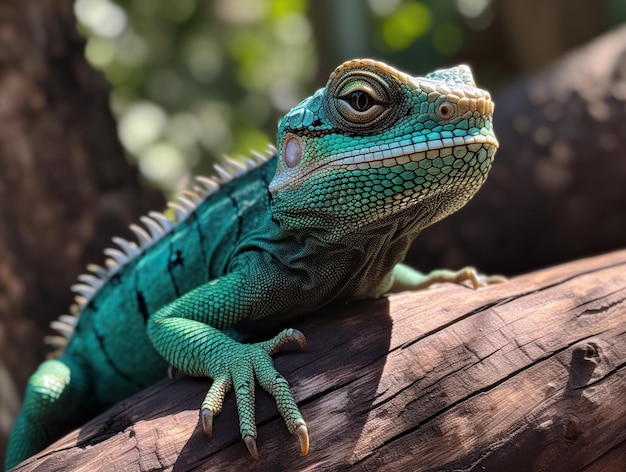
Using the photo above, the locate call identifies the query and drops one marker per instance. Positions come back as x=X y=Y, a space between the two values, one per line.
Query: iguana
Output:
x=361 y=167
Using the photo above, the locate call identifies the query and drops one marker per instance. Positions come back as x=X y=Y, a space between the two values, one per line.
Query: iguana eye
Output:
x=359 y=100
x=359 y=106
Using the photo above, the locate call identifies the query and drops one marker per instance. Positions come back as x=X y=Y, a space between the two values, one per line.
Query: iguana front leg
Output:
x=187 y=334
x=407 y=278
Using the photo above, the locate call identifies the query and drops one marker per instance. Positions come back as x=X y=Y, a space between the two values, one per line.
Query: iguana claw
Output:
x=298 y=337
x=207 y=422
x=285 y=336
x=251 y=445
x=301 y=433
x=303 y=436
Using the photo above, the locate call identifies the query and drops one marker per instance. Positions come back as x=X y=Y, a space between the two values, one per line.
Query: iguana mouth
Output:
x=376 y=156
x=409 y=152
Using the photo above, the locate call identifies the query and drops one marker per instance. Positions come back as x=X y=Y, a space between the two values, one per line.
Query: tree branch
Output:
x=526 y=375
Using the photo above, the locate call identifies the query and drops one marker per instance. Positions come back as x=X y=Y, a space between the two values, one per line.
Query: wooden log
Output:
x=529 y=375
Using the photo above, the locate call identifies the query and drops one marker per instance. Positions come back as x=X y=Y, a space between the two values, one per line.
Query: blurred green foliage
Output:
x=194 y=79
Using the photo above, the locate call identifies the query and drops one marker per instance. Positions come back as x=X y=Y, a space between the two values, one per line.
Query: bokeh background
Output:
x=109 y=107
x=192 y=80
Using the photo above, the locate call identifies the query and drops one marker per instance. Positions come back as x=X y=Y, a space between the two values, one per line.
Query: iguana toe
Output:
x=213 y=403
x=492 y=279
x=475 y=278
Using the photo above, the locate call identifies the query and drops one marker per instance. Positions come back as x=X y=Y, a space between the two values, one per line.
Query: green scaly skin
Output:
x=362 y=167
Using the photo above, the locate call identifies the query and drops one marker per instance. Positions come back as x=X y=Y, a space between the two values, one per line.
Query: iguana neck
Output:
x=351 y=264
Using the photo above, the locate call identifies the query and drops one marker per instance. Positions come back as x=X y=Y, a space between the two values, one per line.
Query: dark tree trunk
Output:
x=65 y=187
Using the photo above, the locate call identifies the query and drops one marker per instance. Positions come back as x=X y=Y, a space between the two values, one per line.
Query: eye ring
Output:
x=363 y=100
x=446 y=111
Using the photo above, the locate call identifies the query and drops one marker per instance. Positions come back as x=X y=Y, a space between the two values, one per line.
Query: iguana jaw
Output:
x=375 y=157
x=409 y=152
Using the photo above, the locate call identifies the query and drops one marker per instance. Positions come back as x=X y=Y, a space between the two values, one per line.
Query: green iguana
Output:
x=361 y=167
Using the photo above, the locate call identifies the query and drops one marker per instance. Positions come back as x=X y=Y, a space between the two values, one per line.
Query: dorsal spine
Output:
x=155 y=227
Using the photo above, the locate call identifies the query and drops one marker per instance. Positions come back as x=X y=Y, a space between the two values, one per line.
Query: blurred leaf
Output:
x=410 y=21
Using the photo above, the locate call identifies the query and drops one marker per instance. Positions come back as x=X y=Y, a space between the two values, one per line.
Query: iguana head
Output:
x=376 y=144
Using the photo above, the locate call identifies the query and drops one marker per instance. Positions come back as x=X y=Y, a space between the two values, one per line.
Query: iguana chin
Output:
x=361 y=168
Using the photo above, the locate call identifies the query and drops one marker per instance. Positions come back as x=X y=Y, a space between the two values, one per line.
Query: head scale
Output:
x=377 y=144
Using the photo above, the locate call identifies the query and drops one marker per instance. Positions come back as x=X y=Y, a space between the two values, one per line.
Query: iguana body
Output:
x=362 y=167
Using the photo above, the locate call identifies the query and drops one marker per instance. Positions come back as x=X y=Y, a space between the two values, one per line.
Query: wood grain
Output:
x=529 y=375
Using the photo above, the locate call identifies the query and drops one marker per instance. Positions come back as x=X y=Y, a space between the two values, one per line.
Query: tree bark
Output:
x=529 y=375
x=65 y=186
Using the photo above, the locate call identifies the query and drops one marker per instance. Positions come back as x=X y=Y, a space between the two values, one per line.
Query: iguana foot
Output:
x=239 y=367
x=406 y=278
